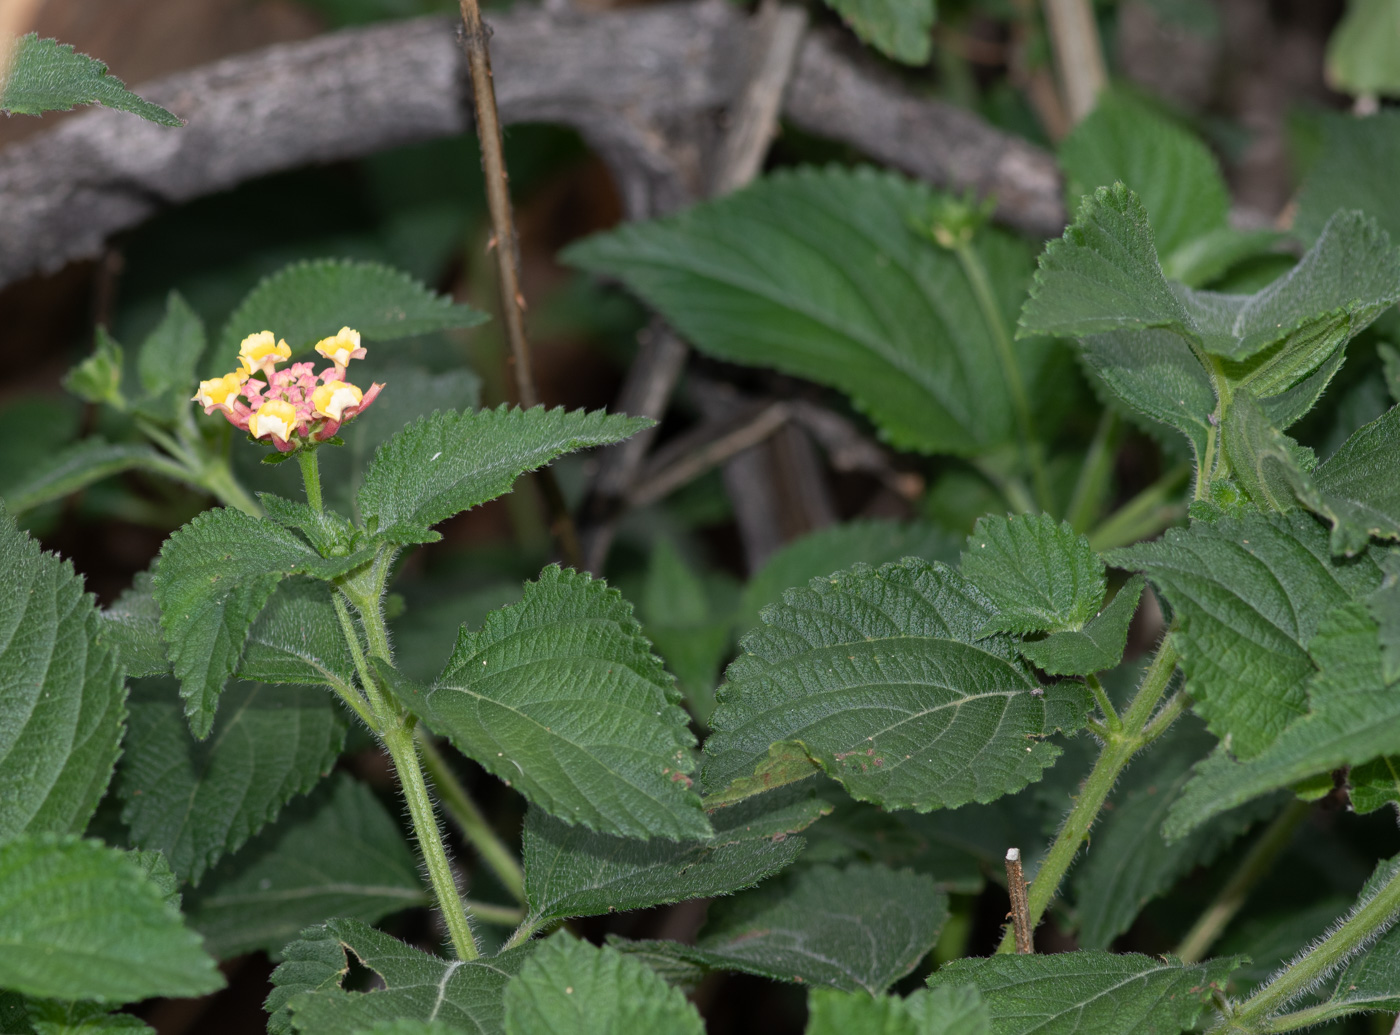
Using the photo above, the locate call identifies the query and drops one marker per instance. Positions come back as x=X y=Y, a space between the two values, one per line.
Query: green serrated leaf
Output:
x=837 y=548
x=197 y=801
x=1103 y=276
x=298 y=639
x=1354 y=718
x=1249 y=590
x=449 y=462
x=1358 y=485
x=45 y=75
x=1271 y=468
x=560 y=696
x=858 y=929
x=98 y=379
x=572 y=872
x=332 y=534
x=307 y=997
x=1352 y=171
x=336 y=853
x=1097 y=647
x=308 y=301
x=59 y=1017
x=131 y=627
x=819 y=273
x=886 y=680
x=947 y=1010
x=79 y=920
x=64 y=697
x=81 y=464
x=899 y=29
x=168 y=359
x=1124 y=140
x=1040 y=574
x=1130 y=864
x=212 y=579
x=1089 y=993
x=569 y=986
x=1375 y=784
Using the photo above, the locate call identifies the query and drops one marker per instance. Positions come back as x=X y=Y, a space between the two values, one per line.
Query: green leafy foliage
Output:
x=168 y=359
x=857 y=929
x=1130 y=864
x=1358 y=488
x=212 y=579
x=335 y=853
x=45 y=75
x=1040 y=575
x=450 y=462
x=1089 y=993
x=839 y=547
x=947 y=1010
x=568 y=985
x=307 y=998
x=56 y=1017
x=308 y=301
x=1361 y=55
x=819 y=273
x=1096 y=647
x=560 y=696
x=297 y=639
x=131 y=627
x=1371 y=980
x=1354 y=717
x=64 y=699
x=197 y=801
x=883 y=677
x=1351 y=171
x=570 y=871
x=79 y=920
x=685 y=626
x=79 y=465
x=1250 y=590
x=98 y=379
x=900 y=29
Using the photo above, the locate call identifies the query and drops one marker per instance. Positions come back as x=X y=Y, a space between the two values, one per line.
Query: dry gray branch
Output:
x=625 y=79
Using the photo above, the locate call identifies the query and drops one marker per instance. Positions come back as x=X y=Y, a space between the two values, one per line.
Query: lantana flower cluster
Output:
x=294 y=406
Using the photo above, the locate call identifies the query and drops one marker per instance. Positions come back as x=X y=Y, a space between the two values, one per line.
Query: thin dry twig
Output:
x=704 y=449
x=1078 y=54
x=1020 y=905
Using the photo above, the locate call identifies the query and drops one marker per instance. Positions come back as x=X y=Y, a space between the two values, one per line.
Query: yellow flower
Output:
x=263 y=352
x=215 y=394
x=342 y=347
x=332 y=398
x=276 y=417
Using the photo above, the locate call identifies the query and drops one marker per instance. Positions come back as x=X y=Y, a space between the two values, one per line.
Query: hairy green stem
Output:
x=1118 y=750
x=1145 y=514
x=465 y=813
x=1113 y=723
x=1093 y=474
x=976 y=275
x=1372 y=918
x=1253 y=867
x=311 y=475
x=524 y=932
x=398 y=741
x=371 y=714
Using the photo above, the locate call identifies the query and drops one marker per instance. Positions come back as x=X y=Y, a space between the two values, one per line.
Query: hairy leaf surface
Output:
x=45 y=75
x=309 y=301
x=1089 y=993
x=79 y=920
x=570 y=871
x=1250 y=590
x=1038 y=572
x=198 y=800
x=858 y=929
x=560 y=696
x=297 y=639
x=307 y=997
x=1354 y=718
x=881 y=677
x=335 y=853
x=64 y=698
x=1096 y=647
x=818 y=272
x=449 y=462
x=570 y=986
x=947 y=1010
x=212 y=579
x=131 y=627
